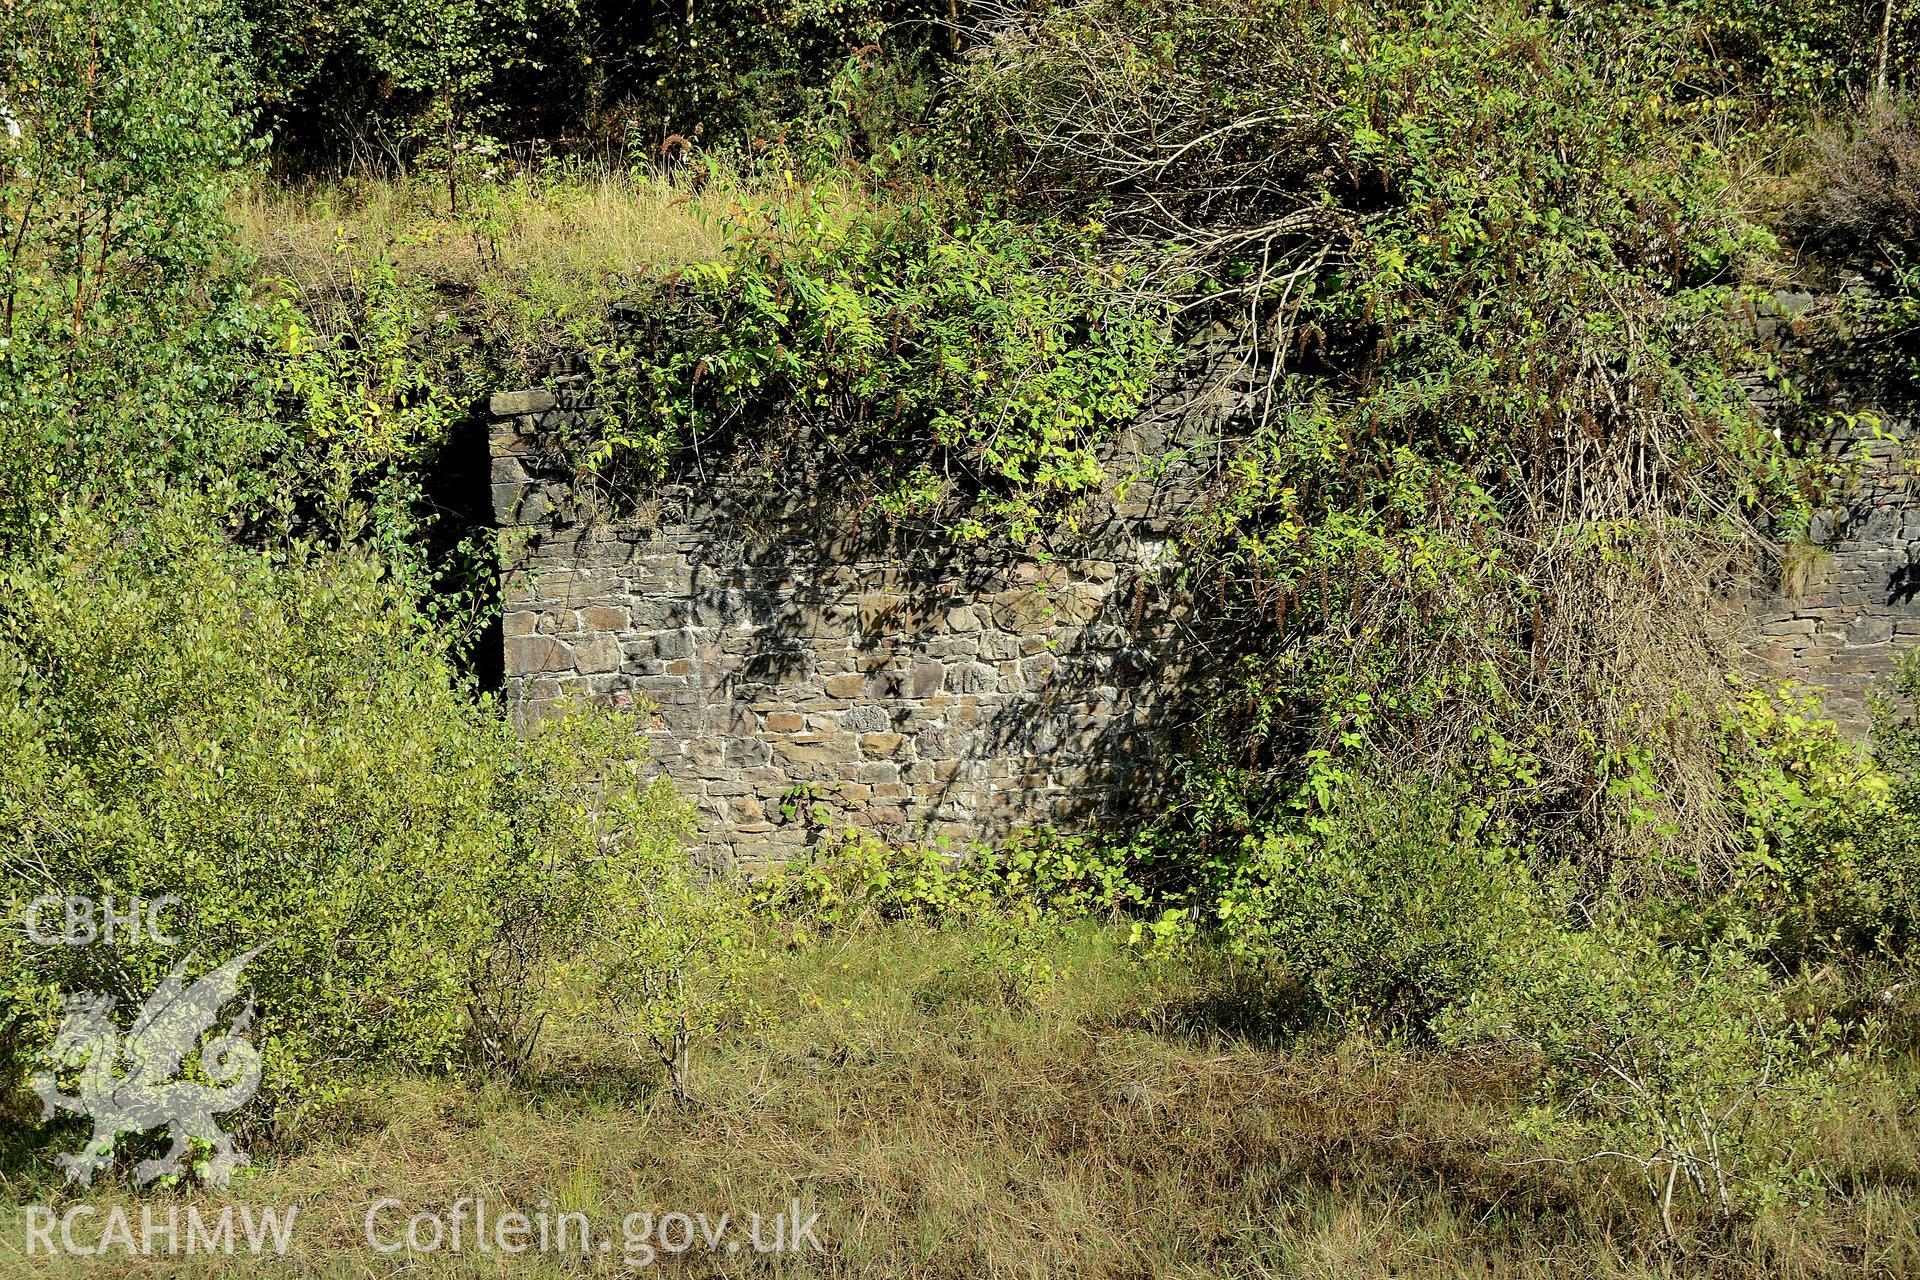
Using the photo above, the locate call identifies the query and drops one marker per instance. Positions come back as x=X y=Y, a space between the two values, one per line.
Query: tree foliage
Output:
x=389 y=86
x=123 y=326
x=1497 y=461
x=945 y=363
x=280 y=742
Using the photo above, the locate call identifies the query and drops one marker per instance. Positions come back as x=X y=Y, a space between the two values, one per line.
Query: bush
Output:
x=1809 y=878
x=281 y=744
x=1688 y=1067
x=124 y=324
x=949 y=362
x=419 y=82
x=600 y=849
x=858 y=879
x=1496 y=461
x=1390 y=903
x=664 y=970
x=1886 y=866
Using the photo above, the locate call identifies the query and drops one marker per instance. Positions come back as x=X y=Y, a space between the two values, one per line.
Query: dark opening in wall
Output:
x=460 y=542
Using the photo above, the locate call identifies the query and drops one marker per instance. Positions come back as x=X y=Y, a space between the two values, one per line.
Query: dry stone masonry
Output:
x=1849 y=605
x=810 y=670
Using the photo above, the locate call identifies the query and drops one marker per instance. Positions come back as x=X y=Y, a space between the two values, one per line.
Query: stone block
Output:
x=658 y=614
x=748 y=753
x=596 y=653
x=1870 y=630
x=815 y=749
x=511 y=505
x=601 y=617
x=972 y=677
x=928 y=678
x=882 y=613
x=733 y=720
x=511 y=404
x=529 y=655
x=1077 y=605
x=866 y=719
x=1022 y=610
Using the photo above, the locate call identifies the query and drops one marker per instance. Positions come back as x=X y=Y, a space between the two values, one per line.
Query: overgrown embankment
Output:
x=1478 y=771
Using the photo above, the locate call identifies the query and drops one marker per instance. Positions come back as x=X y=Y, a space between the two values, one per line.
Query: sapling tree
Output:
x=658 y=960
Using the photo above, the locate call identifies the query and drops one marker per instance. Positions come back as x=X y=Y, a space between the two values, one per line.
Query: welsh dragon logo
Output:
x=130 y=1083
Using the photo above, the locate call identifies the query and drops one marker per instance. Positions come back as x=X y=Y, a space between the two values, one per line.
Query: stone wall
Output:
x=811 y=670
x=1849 y=605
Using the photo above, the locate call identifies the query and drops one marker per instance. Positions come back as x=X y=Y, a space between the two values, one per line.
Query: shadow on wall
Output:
x=813 y=671
x=1848 y=605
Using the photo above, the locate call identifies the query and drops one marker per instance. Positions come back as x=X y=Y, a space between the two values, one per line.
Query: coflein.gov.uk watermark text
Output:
x=470 y=1225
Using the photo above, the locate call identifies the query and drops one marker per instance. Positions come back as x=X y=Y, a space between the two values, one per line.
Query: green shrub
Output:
x=371 y=387
x=660 y=966
x=954 y=363
x=357 y=378
x=1063 y=876
x=859 y=878
x=1038 y=875
x=1810 y=877
x=125 y=324
x=1885 y=855
x=596 y=847
x=1497 y=457
x=1687 y=1067
x=425 y=83
x=279 y=742
x=1388 y=904
x=1792 y=58
x=1012 y=900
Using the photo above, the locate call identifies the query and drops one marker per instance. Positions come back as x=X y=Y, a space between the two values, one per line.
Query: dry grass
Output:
x=1096 y=1130
x=1861 y=182
x=587 y=224
x=558 y=244
x=532 y=262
